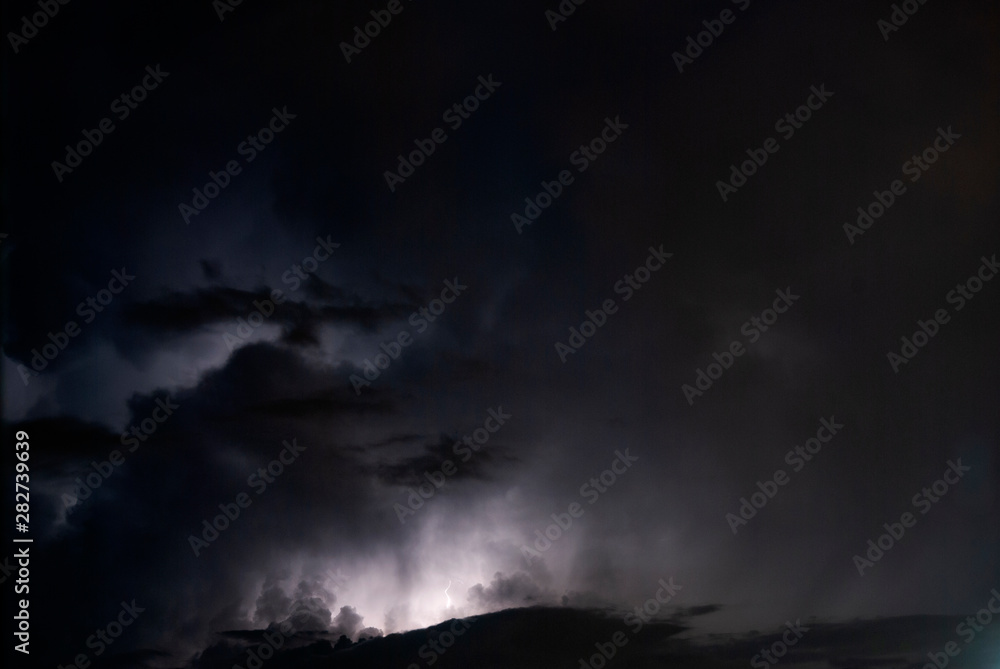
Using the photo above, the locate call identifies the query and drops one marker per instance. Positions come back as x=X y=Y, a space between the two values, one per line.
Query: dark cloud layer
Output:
x=162 y=413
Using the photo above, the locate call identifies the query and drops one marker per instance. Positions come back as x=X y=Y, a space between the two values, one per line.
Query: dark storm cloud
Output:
x=656 y=185
x=211 y=270
x=272 y=603
x=179 y=312
x=323 y=404
x=695 y=611
x=347 y=622
x=182 y=312
x=301 y=336
x=194 y=462
x=394 y=439
x=410 y=469
x=71 y=438
x=516 y=590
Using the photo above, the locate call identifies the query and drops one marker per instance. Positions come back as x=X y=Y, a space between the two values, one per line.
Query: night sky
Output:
x=519 y=314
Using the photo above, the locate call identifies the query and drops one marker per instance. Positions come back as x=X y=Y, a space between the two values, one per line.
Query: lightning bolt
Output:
x=446 y=593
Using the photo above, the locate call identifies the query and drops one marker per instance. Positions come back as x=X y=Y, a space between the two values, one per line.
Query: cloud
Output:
x=408 y=470
x=516 y=590
x=272 y=604
x=347 y=622
x=179 y=312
